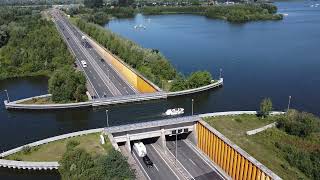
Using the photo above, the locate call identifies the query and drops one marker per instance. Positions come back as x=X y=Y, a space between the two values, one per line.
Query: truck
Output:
x=83 y=38
x=140 y=149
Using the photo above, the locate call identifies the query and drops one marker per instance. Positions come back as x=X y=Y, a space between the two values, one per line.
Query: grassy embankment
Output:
x=53 y=151
x=262 y=146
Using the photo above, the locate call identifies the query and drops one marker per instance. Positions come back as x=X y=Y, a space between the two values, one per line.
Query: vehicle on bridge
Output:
x=84 y=64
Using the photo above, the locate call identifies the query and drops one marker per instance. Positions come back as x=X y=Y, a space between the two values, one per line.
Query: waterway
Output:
x=260 y=59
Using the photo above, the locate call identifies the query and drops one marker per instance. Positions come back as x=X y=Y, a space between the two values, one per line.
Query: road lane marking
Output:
x=165 y=161
x=145 y=172
x=156 y=167
x=192 y=162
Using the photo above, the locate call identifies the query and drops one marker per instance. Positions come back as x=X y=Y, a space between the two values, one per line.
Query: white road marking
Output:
x=165 y=161
x=156 y=167
x=192 y=162
x=145 y=172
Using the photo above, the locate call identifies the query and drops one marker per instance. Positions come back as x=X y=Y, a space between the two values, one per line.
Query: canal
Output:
x=259 y=59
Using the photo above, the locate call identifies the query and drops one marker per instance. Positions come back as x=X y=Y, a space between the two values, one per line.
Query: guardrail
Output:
x=29 y=165
x=129 y=98
x=106 y=101
x=195 y=90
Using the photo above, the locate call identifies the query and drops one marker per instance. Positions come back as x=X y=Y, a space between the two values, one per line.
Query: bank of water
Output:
x=259 y=59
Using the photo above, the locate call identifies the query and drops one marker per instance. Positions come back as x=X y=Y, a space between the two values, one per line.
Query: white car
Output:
x=84 y=63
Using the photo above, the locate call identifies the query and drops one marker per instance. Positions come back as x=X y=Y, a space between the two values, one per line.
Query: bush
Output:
x=80 y=165
x=299 y=124
x=265 y=107
x=72 y=144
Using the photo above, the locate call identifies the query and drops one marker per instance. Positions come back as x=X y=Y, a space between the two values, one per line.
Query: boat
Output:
x=285 y=14
x=174 y=112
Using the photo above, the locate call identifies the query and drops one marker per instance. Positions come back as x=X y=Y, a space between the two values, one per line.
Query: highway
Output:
x=102 y=77
x=196 y=167
x=160 y=169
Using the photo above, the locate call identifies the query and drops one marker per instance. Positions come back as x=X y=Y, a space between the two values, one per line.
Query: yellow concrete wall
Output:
x=232 y=162
x=130 y=76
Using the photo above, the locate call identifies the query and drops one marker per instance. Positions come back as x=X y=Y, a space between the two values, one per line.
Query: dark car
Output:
x=147 y=161
x=102 y=60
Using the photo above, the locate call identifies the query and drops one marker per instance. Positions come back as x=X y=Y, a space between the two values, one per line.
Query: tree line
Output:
x=30 y=46
x=238 y=13
x=152 y=64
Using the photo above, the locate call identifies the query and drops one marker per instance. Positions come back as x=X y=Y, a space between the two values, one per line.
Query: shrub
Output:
x=72 y=144
x=265 y=107
x=298 y=124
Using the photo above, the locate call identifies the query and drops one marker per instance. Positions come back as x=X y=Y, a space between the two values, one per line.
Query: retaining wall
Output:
x=39 y=165
x=231 y=158
x=196 y=90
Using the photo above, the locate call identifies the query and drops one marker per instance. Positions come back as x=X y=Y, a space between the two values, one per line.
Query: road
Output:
x=160 y=170
x=192 y=162
x=102 y=77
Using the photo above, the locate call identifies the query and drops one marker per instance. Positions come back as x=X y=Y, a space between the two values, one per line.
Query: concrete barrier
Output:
x=29 y=165
x=235 y=113
x=196 y=90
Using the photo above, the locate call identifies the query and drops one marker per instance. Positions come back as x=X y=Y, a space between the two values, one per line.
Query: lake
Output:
x=259 y=59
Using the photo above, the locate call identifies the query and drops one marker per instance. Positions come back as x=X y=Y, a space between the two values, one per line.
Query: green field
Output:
x=262 y=145
x=53 y=151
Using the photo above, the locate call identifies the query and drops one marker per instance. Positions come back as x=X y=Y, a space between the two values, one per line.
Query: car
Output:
x=102 y=60
x=84 y=63
x=147 y=161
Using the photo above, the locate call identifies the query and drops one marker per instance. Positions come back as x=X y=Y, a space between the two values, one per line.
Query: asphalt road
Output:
x=103 y=78
x=160 y=170
x=192 y=162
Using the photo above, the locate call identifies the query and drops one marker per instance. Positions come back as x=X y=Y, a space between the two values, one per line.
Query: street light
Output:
x=107 y=117
x=220 y=73
x=289 y=101
x=7 y=95
x=192 y=100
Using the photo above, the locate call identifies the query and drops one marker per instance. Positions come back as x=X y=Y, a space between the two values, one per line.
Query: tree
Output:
x=93 y=3
x=67 y=85
x=265 y=107
x=198 y=79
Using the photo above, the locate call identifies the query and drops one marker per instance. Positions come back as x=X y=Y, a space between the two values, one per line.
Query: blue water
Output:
x=259 y=59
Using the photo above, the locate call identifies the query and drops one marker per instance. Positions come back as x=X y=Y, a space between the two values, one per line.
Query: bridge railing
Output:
x=232 y=159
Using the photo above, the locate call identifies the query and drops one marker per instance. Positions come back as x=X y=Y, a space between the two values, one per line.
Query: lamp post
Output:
x=107 y=118
x=192 y=100
x=289 y=101
x=220 y=76
x=7 y=95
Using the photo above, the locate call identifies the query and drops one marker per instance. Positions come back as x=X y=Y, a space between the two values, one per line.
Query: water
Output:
x=259 y=59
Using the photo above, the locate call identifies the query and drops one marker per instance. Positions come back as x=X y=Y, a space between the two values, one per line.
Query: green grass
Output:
x=262 y=145
x=53 y=151
x=44 y=100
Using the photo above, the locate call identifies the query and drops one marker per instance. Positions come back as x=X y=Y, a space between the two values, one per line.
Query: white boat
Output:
x=285 y=14
x=174 y=112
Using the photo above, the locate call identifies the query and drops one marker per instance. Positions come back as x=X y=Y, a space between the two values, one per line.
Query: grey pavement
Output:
x=104 y=79
x=191 y=161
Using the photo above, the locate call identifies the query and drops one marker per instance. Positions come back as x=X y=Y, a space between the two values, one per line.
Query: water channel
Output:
x=260 y=59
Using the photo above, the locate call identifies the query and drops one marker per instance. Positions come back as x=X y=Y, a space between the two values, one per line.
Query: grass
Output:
x=262 y=145
x=53 y=151
x=44 y=100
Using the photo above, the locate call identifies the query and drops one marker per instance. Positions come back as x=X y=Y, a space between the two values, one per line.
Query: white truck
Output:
x=140 y=149
x=83 y=38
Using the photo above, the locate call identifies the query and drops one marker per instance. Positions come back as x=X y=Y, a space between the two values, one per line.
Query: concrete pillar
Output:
x=193 y=135
x=163 y=141
x=128 y=145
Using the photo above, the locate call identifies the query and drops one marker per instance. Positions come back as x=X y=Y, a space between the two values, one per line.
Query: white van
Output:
x=84 y=63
